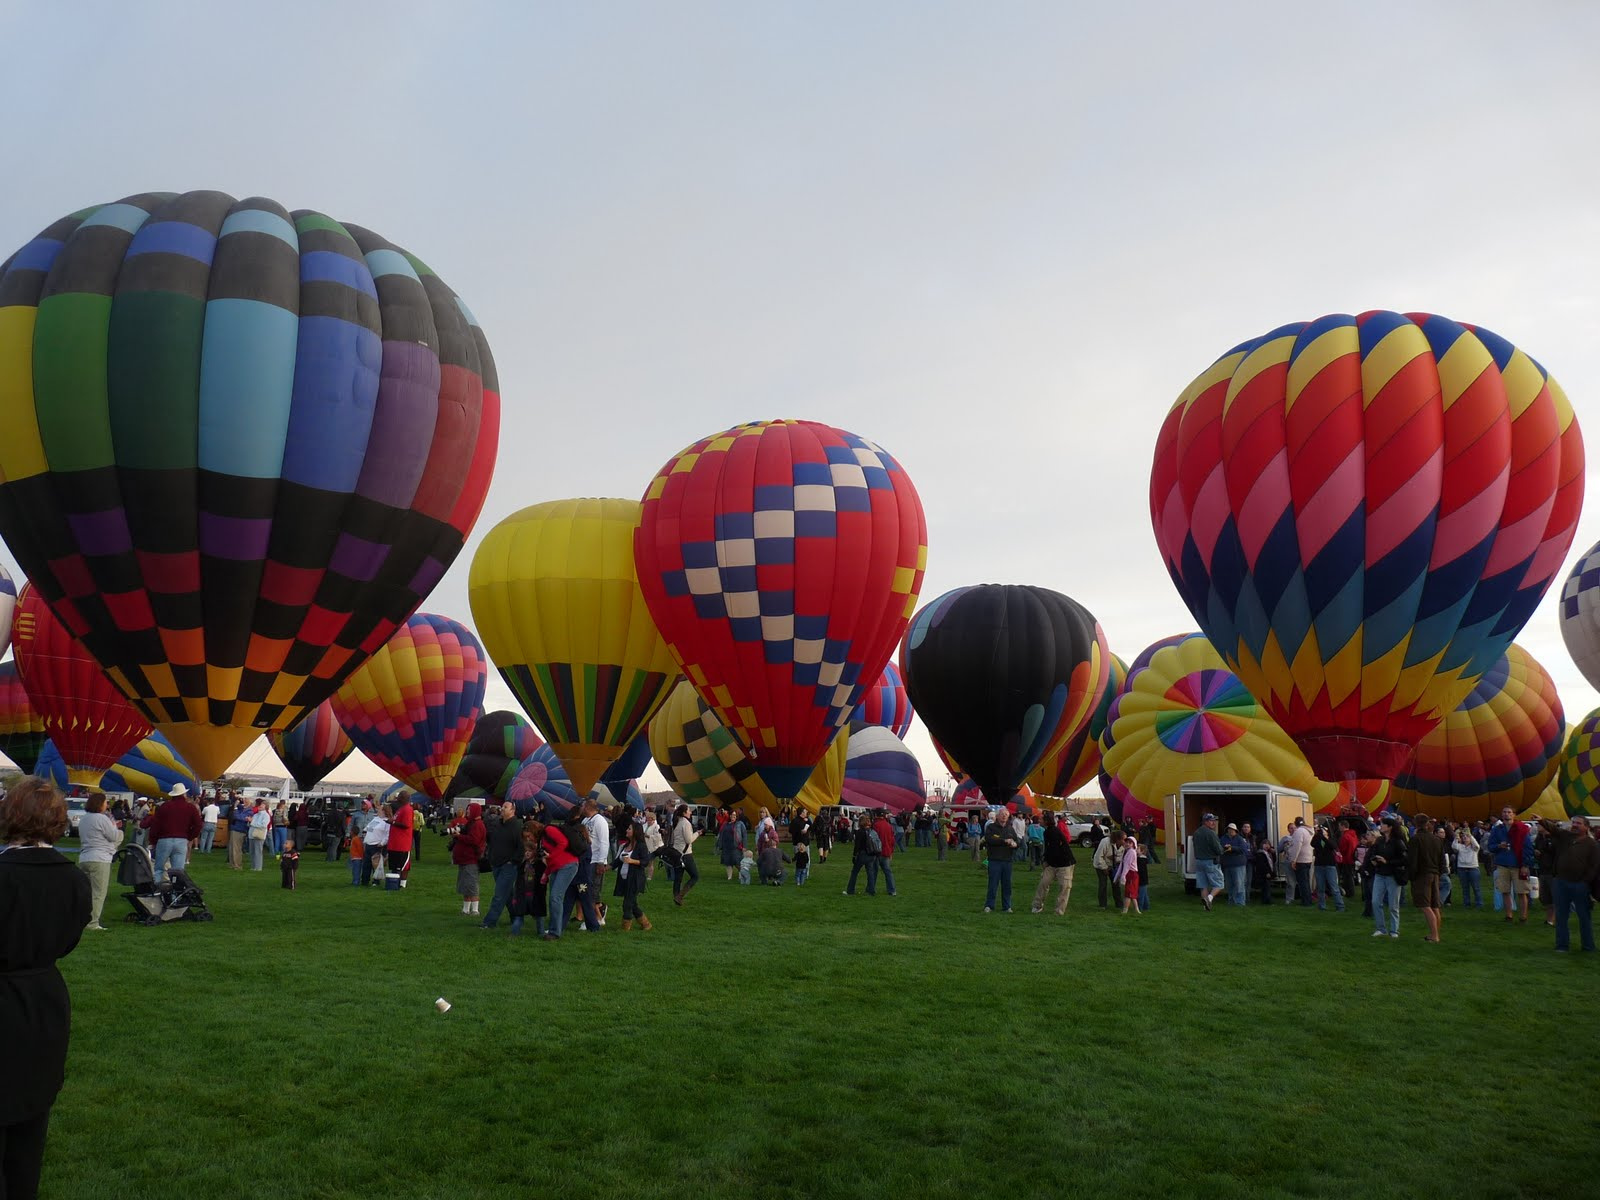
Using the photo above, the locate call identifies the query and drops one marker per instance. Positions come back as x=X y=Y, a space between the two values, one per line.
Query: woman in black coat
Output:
x=44 y=905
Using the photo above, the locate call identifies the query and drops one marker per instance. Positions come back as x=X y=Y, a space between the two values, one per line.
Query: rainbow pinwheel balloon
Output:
x=879 y=772
x=1003 y=676
x=885 y=704
x=705 y=764
x=1078 y=760
x=22 y=732
x=313 y=747
x=91 y=723
x=149 y=769
x=781 y=561
x=1500 y=746
x=411 y=708
x=501 y=743
x=238 y=447
x=541 y=786
x=1578 y=776
x=1184 y=717
x=554 y=593
x=1361 y=513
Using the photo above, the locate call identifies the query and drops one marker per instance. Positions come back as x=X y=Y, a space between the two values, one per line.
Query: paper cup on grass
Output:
x=442 y=1004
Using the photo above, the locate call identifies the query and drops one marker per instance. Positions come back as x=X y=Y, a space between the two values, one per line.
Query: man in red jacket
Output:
x=399 y=848
x=174 y=830
x=1345 y=857
x=880 y=862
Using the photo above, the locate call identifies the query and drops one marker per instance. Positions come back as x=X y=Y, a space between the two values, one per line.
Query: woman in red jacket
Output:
x=399 y=848
x=560 y=866
x=466 y=849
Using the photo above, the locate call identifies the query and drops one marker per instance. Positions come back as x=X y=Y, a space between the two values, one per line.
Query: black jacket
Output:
x=505 y=842
x=1057 y=847
x=44 y=905
x=1323 y=847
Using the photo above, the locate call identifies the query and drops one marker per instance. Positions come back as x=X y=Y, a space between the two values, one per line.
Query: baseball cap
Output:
x=1209 y=817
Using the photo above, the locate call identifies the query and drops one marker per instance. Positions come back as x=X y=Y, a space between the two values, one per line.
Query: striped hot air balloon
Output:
x=313 y=747
x=879 y=772
x=22 y=732
x=885 y=704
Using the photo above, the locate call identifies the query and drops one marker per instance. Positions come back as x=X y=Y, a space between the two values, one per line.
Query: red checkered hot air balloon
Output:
x=781 y=561
x=412 y=707
x=90 y=721
x=1361 y=512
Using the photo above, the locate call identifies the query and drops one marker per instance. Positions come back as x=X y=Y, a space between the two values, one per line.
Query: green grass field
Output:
x=762 y=1043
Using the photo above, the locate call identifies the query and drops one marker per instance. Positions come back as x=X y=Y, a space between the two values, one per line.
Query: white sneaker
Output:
x=1394 y=935
x=1379 y=933
x=986 y=909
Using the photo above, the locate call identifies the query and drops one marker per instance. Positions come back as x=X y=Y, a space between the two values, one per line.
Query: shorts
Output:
x=1207 y=874
x=1425 y=891
x=1508 y=879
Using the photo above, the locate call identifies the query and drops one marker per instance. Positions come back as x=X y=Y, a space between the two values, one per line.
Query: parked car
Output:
x=75 y=809
x=1078 y=827
x=341 y=805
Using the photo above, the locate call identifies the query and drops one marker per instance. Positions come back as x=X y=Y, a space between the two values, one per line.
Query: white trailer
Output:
x=1266 y=806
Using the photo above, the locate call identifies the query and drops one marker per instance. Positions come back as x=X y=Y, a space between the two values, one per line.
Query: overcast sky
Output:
x=999 y=239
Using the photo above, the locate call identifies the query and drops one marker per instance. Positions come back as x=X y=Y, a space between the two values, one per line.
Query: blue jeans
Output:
x=505 y=878
x=280 y=836
x=208 y=837
x=1444 y=889
x=582 y=890
x=856 y=867
x=1302 y=883
x=258 y=847
x=1236 y=885
x=878 y=863
x=357 y=861
x=174 y=850
x=1471 y=895
x=1328 y=885
x=1385 y=898
x=556 y=904
x=800 y=874
x=1572 y=897
x=999 y=879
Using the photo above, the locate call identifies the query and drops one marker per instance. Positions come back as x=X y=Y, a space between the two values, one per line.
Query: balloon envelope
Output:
x=149 y=769
x=411 y=708
x=880 y=771
x=1003 y=675
x=1580 y=614
x=969 y=795
x=554 y=594
x=1578 y=776
x=500 y=743
x=781 y=561
x=541 y=787
x=1361 y=513
x=90 y=721
x=22 y=733
x=1500 y=746
x=240 y=446
x=631 y=764
x=1078 y=760
x=313 y=747
x=885 y=704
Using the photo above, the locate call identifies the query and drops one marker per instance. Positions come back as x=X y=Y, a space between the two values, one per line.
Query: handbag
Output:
x=485 y=867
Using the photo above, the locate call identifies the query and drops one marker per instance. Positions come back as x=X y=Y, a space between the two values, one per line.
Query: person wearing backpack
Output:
x=868 y=846
x=885 y=833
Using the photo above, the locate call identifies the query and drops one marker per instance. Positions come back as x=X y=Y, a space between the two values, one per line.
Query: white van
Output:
x=1267 y=806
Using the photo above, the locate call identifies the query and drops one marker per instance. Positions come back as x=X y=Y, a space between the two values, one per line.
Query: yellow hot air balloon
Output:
x=557 y=603
x=705 y=764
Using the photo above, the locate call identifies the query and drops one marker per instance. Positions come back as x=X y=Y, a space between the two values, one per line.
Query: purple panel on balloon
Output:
x=240 y=538
x=356 y=558
x=101 y=532
x=408 y=409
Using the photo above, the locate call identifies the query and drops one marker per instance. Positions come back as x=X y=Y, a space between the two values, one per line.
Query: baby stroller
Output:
x=174 y=899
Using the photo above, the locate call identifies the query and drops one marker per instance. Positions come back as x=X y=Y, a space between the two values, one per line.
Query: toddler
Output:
x=802 y=863
x=289 y=864
x=746 y=865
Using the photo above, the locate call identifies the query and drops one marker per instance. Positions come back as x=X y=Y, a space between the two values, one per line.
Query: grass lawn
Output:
x=761 y=1042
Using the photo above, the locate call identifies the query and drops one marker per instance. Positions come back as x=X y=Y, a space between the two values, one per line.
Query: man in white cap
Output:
x=174 y=828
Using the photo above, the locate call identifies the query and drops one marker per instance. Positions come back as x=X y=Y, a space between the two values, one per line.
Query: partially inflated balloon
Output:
x=631 y=764
x=880 y=772
x=706 y=765
x=1500 y=746
x=91 y=723
x=541 y=786
x=781 y=561
x=22 y=733
x=1578 y=777
x=554 y=594
x=1183 y=717
x=411 y=708
x=238 y=447
x=1003 y=676
x=151 y=768
x=500 y=743
x=885 y=704
x=1361 y=513
x=313 y=747
x=1078 y=761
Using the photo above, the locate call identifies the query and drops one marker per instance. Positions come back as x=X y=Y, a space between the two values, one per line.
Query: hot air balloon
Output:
x=313 y=747
x=149 y=769
x=500 y=744
x=614 y=795
x=411 y=708
x=1548 y=807
x=631 y=764
x=1182 y=717
x=704 y=763
x=879 y=772
x=1003 y=675
x=885 y=704
x=1078 y=761
x=8 y=602
x=91 y=723
x=1361 y=513
x=238 y=448
x=22 y=734
x=1500 y=746
x=781 y=561
x=969 y=795
x=1580 y=614
x=541 y=786
x=1578 y=777
x=554 y=593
